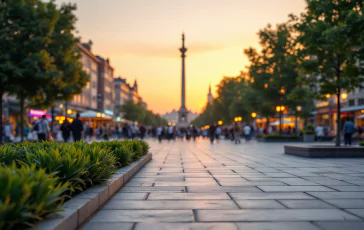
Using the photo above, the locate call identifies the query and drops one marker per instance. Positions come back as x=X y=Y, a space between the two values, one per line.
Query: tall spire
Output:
x=210 y=98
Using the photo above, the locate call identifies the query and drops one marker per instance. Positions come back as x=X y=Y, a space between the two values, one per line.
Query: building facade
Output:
x=87 y=100
x=105 y=92
x=125 y=92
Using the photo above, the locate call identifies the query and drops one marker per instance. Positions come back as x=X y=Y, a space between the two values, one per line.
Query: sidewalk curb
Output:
x=83 y=206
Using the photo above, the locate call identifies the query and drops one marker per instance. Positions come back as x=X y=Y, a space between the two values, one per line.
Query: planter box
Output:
x=81 y=207
x=278 y=139
x=308 y=137
x=324 y=151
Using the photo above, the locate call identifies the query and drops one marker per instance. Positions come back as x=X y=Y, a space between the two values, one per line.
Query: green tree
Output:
x=63 y=48
x=331 y=38
x=136 y=112
x=25 y=64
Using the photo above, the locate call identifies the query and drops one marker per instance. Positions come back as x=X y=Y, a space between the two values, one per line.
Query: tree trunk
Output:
x=65 y=109
x=338 y=119
x=52 y=112
x=280 y=123
x=1 y=116
x=338 y=92
x=297 y=131
x=22 y=117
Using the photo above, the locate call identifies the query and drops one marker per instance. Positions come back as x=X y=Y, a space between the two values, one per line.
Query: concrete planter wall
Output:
x=81 y=207
x=308 y=138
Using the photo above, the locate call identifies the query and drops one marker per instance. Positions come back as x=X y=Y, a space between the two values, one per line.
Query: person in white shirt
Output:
x=8 y=130
x=247 y=131
x=319 y=132
x=160 y=133
x=170 y=132
x=218 y=132
x=42 y=129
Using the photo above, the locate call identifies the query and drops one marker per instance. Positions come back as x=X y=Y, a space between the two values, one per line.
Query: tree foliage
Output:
x=330 y=37
x=38 y=60
x=136 y=112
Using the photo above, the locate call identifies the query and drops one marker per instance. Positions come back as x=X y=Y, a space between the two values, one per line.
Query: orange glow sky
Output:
x=142 y=38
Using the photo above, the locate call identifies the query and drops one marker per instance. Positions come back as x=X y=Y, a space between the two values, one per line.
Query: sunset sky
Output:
x=142 y=38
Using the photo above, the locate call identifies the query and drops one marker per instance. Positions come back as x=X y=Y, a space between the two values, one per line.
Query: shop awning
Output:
x=360 y=116
x=283 y=123
x=352 y=108
x=93 y=114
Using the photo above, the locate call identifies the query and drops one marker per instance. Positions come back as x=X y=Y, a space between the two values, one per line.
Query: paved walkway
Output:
x=250 y=186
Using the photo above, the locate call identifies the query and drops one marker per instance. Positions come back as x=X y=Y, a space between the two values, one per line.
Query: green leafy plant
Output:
x=102 y=164
x=27 y=194
x=361 y=143
x=67 y=162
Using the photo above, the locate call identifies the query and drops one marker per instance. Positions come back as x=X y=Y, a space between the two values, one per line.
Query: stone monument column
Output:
x=183 y=112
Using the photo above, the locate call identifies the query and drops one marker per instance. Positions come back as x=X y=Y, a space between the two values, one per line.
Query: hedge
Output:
x=35 y=178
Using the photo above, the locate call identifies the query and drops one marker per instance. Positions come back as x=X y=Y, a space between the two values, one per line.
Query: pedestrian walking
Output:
x=218 y=133
x=142 y=131
x=170 y=132
x=247 y=131
x=89 y=132
x=42 y=129
x=319 y=132
x=55 y=130
x=212 y=133
x=77 y=128
x=159 y=133
x=348 y=131
x=236 y=130
x=8 y=130
x=66 y=131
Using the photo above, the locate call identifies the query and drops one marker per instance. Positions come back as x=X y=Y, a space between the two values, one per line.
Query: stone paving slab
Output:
x=195 y=185
x=170 y=204
x=277 y=226
x=189 y=196
x=353 y=225
x=143 y=216
x=186 y=226
x=276 y=215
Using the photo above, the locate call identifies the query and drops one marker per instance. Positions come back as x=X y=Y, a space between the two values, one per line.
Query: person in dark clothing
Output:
x=66 y=131
x=89 y=132
x=348 y=131
x=77 y=128
x=142 y=131
x=212 y=131
x=125 y=131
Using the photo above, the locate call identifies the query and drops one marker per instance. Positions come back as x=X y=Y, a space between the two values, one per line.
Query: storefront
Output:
x=288 y=122
x=35 y=114
x=353 y=113
x=94 y=119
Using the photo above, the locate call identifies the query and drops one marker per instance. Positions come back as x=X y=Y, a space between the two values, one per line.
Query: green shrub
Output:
x=27 y=194
x=277 y=136
x=361 y=143
x=308 y=132
x=9 y=154
x=102 y=164
x=66 y=162
x=122 y=151
x=259 y=136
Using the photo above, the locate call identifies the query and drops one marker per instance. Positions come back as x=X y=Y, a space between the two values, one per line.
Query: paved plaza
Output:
x=195 y=185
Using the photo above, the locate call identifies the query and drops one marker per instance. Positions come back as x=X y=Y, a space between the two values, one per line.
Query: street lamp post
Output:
x=280 y=109
x=298 y=109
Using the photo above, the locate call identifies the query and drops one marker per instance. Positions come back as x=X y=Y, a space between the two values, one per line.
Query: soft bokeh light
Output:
x=142 y=38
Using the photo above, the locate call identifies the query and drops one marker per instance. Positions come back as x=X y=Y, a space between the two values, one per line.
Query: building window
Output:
x=361 y=101
x=352 y=102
